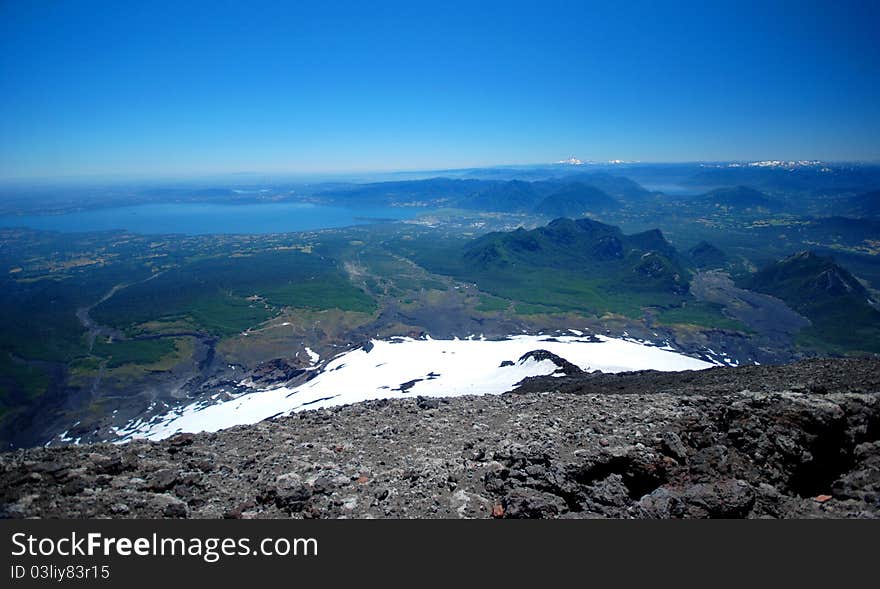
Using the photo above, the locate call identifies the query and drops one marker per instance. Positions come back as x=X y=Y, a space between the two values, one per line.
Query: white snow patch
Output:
x=313 y=356
x=405 y=367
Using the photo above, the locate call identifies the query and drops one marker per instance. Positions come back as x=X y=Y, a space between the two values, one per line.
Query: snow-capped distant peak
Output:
x=785 y=164
x=571 y=161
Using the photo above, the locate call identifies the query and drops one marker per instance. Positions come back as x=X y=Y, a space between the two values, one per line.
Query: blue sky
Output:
x=178 y=88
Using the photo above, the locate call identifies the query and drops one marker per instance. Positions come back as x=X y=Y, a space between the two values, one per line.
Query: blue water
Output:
x=204 y=218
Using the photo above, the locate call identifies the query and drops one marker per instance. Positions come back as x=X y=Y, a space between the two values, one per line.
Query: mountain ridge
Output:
x=739 y=197
x=575 y=200
x=841 y=309
x=490 y=194
x=644 y=261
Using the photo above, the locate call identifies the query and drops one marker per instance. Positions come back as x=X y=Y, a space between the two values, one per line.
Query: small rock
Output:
x=112 y=466
x=184 y=439
x=176 y=510
x=74 y=487
x=427 y=403
x=119 y=509
x=529 y=503
x=236 y=512
x=162 y=479
x=323 y=485
x=292 y=498
x=673 y=446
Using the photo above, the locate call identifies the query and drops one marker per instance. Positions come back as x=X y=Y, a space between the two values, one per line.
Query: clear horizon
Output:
x=324 y=175
x=94 y=89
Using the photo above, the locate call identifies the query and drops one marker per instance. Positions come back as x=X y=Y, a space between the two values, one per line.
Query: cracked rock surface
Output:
x=801 y=440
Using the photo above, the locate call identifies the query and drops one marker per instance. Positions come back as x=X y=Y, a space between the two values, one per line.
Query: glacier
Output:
x=404 y=367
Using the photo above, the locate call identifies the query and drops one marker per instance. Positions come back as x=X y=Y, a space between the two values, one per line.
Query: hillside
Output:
x=705 y=255
x=617 y=187
x=787 y=442
x=514 y=195
x=842 y=311
x=575 y=200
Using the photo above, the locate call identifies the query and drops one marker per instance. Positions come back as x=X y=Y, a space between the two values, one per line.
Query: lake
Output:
x=204 y=218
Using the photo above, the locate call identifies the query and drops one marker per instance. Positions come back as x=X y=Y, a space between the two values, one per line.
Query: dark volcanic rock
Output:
x=427 y=403
x=862 y=483
x=721 y=499
x=815 y=376
x=529 y=503
x=278 y=370
x=163 y=479
x=800 y=440
x=673 y=446
x=564 y=366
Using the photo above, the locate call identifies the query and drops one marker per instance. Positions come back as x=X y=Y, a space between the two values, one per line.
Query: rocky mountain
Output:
x=642 y=261
x=808 y=281
x=841 y=309
x=793 y=441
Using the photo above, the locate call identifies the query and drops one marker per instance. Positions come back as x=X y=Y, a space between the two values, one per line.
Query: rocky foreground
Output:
x=793 y=441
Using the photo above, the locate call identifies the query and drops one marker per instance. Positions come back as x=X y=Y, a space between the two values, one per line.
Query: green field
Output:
x=323 y=292
x=120 y=353
x=227 y=295
x=489 y=304
x=561 y=291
